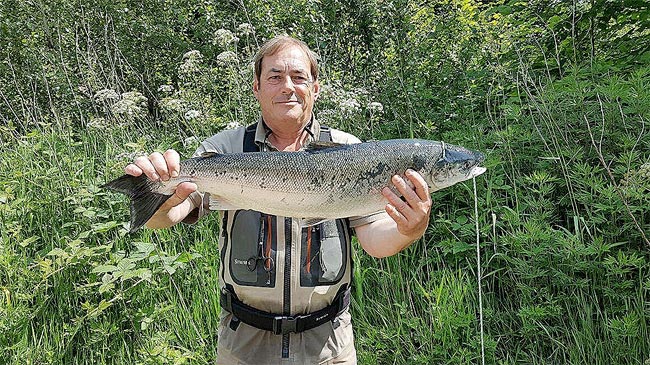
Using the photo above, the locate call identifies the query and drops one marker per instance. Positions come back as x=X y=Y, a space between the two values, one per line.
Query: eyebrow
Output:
x=297 y=71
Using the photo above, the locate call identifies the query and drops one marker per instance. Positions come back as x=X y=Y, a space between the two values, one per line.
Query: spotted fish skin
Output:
x=325 y=181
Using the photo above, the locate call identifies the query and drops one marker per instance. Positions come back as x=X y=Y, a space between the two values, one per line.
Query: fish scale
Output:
x=325 y=181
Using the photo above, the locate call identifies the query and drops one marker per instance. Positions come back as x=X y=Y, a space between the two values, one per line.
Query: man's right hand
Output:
x=163 y=167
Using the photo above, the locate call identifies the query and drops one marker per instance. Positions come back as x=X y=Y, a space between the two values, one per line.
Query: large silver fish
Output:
x=325 y=181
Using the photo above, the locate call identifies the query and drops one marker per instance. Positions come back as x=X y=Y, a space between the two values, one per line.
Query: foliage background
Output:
x=555 y=93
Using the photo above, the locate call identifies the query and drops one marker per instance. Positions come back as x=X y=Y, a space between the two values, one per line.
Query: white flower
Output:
x=233 y=125
x=376 y=107
x=192 y=114
x=245 y=29
x=193 y=55
x=106 y=95
x=227 y=58
x=191 y=61
x=166 y=89
x=350 y=106
x=224 y=37
x=190 y=141
x=136 y=97
x=133 y=103
x=172 y=105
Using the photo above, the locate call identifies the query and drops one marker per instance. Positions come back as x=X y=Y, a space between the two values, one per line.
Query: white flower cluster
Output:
x=167 y=89
x=348 y=102
x=227 y=58
x=172 y=105
x=245 y=29
x=375 y=107
x=106 y=96
x=192 y=114
x=132 y=103
x=350 y=106
x=191 y=62
x=223 y=38
x=233 y=125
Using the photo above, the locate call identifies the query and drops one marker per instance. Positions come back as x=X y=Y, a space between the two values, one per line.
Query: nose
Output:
x=287 y=85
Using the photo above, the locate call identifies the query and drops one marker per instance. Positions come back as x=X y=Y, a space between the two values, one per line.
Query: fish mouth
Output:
x=476 y=171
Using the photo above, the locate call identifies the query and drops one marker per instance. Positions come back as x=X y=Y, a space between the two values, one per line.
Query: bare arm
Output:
x=164 y=166
x=408 y=220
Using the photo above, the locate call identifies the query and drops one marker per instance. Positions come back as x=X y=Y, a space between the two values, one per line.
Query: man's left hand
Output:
x=411 y=213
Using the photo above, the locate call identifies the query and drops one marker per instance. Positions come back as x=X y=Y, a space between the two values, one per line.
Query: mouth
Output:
x=476 y=171
x=288 y=102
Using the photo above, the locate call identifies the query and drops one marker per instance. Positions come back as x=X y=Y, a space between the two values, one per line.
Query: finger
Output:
x=396 y=202
x=419 y=185
x=395 y=215
x=173 y=162
x=145 y=164
x=133 y=170
x=183 y=190
x=407 y=191
x=160 y=165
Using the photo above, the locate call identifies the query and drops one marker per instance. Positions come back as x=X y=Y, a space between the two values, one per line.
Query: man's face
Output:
x=286 y=90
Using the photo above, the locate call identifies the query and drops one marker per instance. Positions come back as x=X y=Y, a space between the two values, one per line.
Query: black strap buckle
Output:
x=283 y=325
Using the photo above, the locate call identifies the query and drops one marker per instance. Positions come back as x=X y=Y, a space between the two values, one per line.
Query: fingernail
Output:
x=174 y=173
x=156 y=177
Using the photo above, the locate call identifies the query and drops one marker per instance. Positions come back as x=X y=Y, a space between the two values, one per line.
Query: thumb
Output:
x=183 y=190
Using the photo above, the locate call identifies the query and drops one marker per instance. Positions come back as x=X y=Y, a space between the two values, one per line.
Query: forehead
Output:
x=288 y=58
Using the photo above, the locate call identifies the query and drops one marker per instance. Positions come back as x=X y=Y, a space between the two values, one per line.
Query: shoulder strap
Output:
x=325 y=134
x=249 y=139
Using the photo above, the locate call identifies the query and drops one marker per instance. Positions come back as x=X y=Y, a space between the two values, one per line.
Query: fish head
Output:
x=456 y=164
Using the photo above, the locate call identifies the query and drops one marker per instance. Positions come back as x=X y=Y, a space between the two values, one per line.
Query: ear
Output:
x=256 y=88
x=316 y=90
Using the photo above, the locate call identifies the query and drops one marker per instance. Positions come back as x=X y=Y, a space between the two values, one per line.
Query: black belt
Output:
x=279 y=324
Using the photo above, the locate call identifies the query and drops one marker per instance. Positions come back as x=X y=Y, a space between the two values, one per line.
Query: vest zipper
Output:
x=286 y=304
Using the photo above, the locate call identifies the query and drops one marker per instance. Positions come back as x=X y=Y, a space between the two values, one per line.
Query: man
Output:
x=285 y=288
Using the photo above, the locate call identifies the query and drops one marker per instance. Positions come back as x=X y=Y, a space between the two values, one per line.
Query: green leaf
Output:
x=58 y=252
x=28 y=241
x=104 y=268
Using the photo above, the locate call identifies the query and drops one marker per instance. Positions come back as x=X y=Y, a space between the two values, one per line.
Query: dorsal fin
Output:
x=208 y=154
x=321 y=145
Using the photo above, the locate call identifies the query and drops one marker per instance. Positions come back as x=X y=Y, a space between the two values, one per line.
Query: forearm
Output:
x=382 y=238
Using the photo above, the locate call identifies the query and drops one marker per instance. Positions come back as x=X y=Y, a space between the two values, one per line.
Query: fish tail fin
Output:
x=144 y=201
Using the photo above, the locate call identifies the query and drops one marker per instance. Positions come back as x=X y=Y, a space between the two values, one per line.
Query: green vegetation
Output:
x=557 y=94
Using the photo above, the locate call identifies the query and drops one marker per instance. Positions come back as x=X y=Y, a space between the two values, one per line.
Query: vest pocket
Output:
x=252 y=249
x=324 y=253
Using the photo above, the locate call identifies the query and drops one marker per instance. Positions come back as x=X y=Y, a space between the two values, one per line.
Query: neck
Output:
x=288 y=141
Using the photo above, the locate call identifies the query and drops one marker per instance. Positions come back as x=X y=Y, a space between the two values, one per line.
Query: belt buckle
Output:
x=283 y=325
